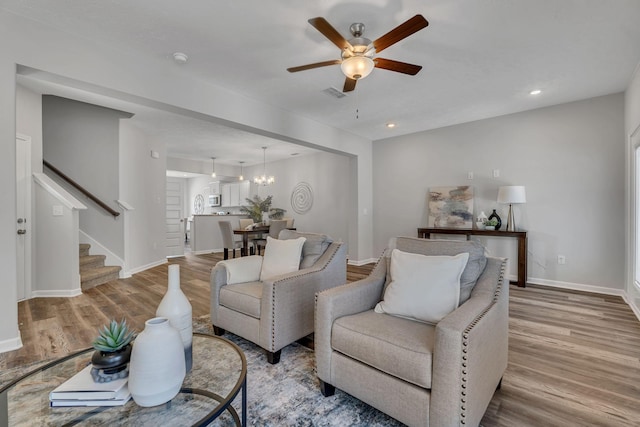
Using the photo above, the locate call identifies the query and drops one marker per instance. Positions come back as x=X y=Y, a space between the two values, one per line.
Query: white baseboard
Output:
x=10 y=344
x=146 y=267
x=210 y=251
x=359 y=263
x=66 y=293
x=634 y=308
x=574 y=286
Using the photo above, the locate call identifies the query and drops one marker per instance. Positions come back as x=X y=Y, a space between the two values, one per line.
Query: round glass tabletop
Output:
x=218 y=375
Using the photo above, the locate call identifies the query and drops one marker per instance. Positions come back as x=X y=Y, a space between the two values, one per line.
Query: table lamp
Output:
x=511 y=194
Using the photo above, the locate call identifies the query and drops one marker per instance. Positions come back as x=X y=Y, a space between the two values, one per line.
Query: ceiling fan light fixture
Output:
x=357 y=67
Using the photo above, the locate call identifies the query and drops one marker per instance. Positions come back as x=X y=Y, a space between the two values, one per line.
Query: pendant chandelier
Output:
x=241 y=177
x=213 y=170
x=264 y=179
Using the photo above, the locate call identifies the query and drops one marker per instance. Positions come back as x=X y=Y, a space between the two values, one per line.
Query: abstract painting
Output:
x=451 y=207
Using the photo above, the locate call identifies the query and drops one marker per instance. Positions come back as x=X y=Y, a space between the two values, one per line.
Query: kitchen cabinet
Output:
x=226 y=195
x=235 y=193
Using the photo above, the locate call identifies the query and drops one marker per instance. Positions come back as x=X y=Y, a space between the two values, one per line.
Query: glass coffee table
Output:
x=219 y=373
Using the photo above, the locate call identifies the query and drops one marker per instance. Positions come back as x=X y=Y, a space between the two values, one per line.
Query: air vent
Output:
x=333 y=92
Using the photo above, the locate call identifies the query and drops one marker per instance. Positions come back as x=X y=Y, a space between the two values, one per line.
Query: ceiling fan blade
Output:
x=400 y=67
x=400 y=32
x=349 y=85
x=314 y=65
x=329 y=32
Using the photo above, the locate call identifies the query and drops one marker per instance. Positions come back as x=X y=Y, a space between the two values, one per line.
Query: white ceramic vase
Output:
x=157 y=367
x=176 y=307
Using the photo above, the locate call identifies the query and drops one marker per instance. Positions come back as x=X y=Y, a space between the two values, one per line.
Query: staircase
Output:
x=93 y=272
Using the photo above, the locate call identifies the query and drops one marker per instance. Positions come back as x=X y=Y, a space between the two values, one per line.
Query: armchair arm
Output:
x=287 y=305
x=470 y=352
x=344 y=300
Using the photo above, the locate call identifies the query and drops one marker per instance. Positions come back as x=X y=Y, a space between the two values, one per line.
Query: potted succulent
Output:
x=112 y=348
x=490 y=224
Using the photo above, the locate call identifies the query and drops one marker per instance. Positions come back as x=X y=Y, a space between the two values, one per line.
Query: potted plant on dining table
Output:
x=257 y=207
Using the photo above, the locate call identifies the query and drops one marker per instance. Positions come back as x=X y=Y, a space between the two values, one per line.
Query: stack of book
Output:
x=81 y=390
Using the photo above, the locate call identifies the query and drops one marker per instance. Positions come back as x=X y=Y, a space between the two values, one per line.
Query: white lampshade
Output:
x=512 y=194
x=357 y=67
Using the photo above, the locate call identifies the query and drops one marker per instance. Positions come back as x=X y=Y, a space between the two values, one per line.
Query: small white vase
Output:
x=157 y=368
x=176 y=307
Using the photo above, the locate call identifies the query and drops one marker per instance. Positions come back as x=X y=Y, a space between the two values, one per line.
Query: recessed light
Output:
x=535 y=92
x=180 y=58
x=391 y=125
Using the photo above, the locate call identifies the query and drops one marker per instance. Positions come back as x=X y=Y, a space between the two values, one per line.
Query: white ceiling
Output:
x=480 y=58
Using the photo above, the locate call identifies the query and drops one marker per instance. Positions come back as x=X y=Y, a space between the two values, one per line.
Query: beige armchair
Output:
x=421 y=374
x=278 y=311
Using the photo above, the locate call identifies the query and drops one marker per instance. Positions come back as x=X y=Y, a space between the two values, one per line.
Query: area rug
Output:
x=285 y=394
x=288 y=394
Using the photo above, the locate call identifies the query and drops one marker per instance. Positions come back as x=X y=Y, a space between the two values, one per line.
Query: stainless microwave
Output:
x=215 y=200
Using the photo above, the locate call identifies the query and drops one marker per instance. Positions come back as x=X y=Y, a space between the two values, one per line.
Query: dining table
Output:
x=256 y=230
x=259 y=230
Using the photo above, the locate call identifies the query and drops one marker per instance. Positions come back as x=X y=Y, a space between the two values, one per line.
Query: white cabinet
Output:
x=244 y=192
x=226 y=195
x=235 y=193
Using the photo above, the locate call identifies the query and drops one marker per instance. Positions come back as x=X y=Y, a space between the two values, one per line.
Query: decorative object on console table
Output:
x=157 y=366
x=451 y=207
x=512 y=194
x=494 y=215
x=112 y=352
x=176 y=307
x=482 y=218
x=490 y=224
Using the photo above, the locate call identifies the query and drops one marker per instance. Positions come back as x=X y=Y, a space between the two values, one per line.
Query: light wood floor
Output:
x=574 y=357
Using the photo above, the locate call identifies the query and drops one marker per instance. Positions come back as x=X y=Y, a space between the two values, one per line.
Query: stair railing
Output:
x=80 y=188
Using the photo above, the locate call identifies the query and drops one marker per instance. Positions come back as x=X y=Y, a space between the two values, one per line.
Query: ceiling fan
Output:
x=358 y=58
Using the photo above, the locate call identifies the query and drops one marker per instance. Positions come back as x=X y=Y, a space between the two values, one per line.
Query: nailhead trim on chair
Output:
x=465 y=343
x=273 y=298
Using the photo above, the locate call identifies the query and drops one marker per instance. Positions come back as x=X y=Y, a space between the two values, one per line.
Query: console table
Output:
x=520 y=235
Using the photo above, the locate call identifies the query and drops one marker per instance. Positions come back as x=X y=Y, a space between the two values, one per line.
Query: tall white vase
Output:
x=176 y=307
x=156 y=369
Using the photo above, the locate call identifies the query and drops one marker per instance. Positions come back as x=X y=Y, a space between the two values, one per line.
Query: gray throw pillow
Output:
x=475 y=265
x=313 y=248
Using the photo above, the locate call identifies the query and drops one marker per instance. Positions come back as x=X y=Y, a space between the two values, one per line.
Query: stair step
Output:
x=84 y=249
x=97 y=276
x=91 y=261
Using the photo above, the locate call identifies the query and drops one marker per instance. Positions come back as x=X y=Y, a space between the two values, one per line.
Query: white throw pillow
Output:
x=281 y=256
x=423 y=288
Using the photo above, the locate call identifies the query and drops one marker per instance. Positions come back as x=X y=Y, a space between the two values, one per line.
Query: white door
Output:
x=23 y=215
x=175 y=230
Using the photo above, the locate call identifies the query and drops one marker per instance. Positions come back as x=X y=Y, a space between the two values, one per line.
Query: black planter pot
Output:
x=495 y=216
x=112 y=363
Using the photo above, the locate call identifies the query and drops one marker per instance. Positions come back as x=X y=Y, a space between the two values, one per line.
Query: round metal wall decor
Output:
x=198 y=204
x=302 y=198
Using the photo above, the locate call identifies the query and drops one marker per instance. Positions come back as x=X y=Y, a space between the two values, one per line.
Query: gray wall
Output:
x=142 y=185
x=571 y=159
x=329 y=176
x=81 y=140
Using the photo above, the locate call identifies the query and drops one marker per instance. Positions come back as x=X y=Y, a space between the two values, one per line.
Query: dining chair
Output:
x=228 y=239
x=245 y=222
x=275 y=227
x=290 y=221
